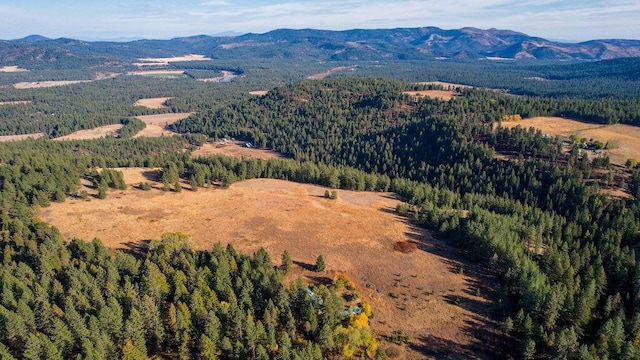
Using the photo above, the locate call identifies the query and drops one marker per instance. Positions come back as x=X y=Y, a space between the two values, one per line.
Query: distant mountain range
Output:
x=322 y=45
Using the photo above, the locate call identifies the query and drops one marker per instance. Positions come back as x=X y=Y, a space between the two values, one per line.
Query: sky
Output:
x=567 y=20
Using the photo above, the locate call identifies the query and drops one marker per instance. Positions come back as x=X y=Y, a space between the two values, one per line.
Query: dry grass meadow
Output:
x=12 y=69
x=166 y=61
x=4 y=138
x=234 y=149
x=152 y=103
x=45 y=84
x=258 y=92
x=434 y=94
x=421 y=292
x=626 y=136
x=95 y=133
x=156 y=124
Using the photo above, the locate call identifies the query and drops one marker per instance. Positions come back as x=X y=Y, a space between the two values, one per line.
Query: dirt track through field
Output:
x=414 y=292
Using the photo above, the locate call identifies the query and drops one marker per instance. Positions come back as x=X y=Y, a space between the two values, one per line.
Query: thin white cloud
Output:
x=566 y=19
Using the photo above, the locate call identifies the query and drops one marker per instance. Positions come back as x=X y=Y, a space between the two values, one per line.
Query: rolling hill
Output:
x=318 y=45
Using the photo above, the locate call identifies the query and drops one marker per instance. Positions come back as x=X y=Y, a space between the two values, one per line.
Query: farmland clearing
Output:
x=156 y=124
x=159 y=73
x=152 y=103
x=434 y=94
x=624 y=136
x=165 y=61
x=5 y=138
x=235 y=149
x=422 y=293
x=95 y=133
x=12 y=69
x=226 y=77
x=46 y=84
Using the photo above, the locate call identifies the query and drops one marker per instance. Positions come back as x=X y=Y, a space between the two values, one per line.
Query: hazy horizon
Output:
x=93 y=20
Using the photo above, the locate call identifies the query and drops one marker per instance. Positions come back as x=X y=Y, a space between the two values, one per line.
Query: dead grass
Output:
x=434 y=94
x=152 y=103
x=12 y=69
x=235 y=149
x=4 y=138
x=95 y=133
x=355 y=233
x=258 y=92
x=46 y=84
x=626 y=135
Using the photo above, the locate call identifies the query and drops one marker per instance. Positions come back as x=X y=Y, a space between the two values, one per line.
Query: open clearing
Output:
x=46 y=84
x=156 y=124
x=152 y=103
x=159 y=73
x=166 y=61
x=415 y=292
x=12 y=69
x=4 y=138
x=625 y=135
x=258 y=92
x=15 y=102
x=327 y=73
x=434 y=94
x=95 y=133
x=226 y=77
x=446 y=85
x=235 y=149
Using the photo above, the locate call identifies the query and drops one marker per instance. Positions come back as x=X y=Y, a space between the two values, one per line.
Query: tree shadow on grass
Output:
x=306 y=266
x=478 y=297
x=138 y=249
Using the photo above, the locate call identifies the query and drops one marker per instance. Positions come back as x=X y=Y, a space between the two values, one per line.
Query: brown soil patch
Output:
x=327 y=73
x=625 y=135
x=46 y=84
x=434 y=94
x=4 y=138
x=15 y=102
x=12 y=69
x=258 y=92
x=235 y=149
x=413 y=292
x=156 y=124
x=152 y=103
x=95 y=133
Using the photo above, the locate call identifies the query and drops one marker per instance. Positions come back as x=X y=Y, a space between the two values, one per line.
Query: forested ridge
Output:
x=563 y=246
x=564 y=249
x=80 y=300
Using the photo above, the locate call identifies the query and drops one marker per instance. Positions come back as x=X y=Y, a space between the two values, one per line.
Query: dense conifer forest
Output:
x=563 y=249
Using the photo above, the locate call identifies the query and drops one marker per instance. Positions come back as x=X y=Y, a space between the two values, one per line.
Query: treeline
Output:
x=563 y=247
x=80 y=300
